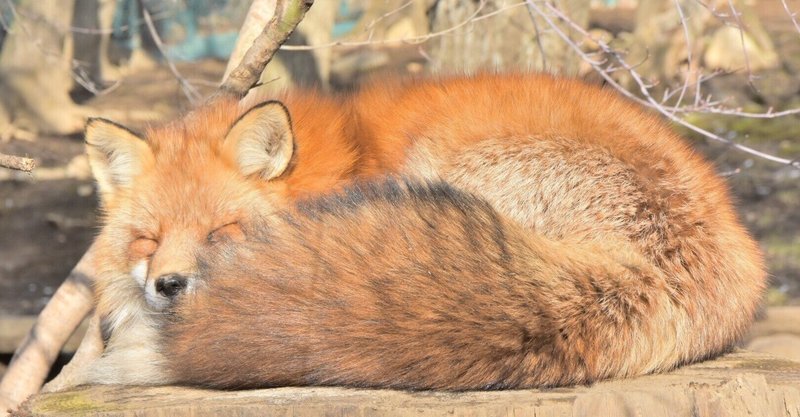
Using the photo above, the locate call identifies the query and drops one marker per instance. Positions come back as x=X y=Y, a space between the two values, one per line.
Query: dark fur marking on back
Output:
x=105 y=330
x=391 y=191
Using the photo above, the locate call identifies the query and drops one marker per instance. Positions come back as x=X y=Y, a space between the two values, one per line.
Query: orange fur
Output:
x=634 y=236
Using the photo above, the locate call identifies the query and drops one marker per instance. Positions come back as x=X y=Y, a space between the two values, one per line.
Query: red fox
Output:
x=546 y=232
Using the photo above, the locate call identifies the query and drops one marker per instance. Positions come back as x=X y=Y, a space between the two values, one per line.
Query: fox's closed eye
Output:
x=231 y=231
x=143 y=247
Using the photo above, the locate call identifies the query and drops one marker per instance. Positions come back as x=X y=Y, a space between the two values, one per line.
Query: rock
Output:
x=777 y=333
x=725 y=52
x=784 y=319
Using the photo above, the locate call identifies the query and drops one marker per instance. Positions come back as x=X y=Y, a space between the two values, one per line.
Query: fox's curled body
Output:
x=545 y=232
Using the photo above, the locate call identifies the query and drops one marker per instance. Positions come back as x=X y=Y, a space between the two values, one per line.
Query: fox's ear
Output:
x=261 y=141
x=116 y=155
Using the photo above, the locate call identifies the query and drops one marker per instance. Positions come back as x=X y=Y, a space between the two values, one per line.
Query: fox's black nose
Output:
x=170 y=285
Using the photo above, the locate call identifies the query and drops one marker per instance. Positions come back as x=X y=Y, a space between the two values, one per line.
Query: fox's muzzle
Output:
x=163 y=291
x=171 y=285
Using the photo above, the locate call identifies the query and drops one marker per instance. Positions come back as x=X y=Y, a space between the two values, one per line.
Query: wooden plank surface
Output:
x=783 y=319
x=738 y=384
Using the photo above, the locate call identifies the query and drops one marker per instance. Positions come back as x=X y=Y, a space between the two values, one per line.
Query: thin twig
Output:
x=745 y=55
x=188 y=89
x=474 y=17
x=380 y=18
x=648 y=99
x=712 y=8
x=792 y=15
x=538 y=38
x=17 y=162
x=769 y=114
x=688 y=40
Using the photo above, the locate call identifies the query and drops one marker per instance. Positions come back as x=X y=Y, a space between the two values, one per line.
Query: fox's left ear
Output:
x=261 y=141
x=117 y=155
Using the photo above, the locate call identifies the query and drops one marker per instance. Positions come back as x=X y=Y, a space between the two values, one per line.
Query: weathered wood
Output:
x=777 y=333
x=737 y=384
x=784 y=319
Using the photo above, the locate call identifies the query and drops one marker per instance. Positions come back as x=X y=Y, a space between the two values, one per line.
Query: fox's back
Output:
x=575 y=162
x=458 y=111
x=588 y=133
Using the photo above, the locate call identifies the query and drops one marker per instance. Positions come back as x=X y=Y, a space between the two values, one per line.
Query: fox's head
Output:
x=182 y=188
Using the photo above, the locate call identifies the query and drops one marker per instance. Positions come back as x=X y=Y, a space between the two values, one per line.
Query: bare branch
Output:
x=687 y=38
x=288 y=14
x=644 y=88
x=769 y=114
x=792 y=15
x=745 y=55
x=379 y=19
x=257 y=18
x=538 y=35
x=17 y=162
x=474 y=17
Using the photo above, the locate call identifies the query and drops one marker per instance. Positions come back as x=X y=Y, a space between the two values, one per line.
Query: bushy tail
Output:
x=421 y=286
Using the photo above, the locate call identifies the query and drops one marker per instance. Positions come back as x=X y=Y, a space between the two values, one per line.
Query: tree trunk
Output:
x=35 y=73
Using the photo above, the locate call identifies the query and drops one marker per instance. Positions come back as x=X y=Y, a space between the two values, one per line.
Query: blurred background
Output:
x=726 y=72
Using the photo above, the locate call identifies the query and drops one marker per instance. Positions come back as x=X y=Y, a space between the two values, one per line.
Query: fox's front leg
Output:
x=131 y=357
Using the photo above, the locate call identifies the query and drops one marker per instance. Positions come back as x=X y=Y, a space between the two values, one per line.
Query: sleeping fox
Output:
x=543 y=232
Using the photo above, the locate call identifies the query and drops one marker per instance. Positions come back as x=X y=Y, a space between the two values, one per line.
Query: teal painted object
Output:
x=197 y=45
x=346 y=20
x=211 y=46
x=128 y=28
x=6 y=17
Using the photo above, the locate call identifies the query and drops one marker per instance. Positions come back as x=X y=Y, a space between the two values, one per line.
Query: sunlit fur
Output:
x=629 y=234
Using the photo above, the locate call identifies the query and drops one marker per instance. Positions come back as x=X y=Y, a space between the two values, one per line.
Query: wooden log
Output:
x=13 y=330
x=784 y=319
x=740 y=383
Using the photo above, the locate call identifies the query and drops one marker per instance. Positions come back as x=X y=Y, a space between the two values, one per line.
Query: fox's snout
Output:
x=170 y=270
x=171 y=285
x=161 y=292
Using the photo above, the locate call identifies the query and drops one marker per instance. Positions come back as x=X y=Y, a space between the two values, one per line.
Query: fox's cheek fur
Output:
x=139 y=272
